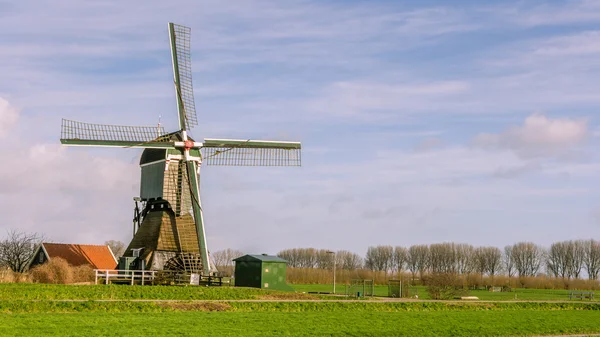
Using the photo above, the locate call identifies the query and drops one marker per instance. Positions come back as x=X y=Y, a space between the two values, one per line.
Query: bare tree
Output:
x=324 y=260
x=566 y=259
x=18 y=248
x=493 y=261
x=480 y=262
x=292 y=257
x=464 y=258
x=592 y=259
x=417 y=260
x=223 y=258
x=379 y=258
x=399 y=259
x=307 y=257
x=557 y=260
x=442 y=258
x=348 y=260
x=117 y=247
x=508 y=262
x=527 y=258
x=577 y=256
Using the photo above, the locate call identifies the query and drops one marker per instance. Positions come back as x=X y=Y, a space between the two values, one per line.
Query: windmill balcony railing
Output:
x=132 y=276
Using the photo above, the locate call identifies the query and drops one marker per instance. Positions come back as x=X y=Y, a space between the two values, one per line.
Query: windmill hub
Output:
x=188 y=144
x=170 y=228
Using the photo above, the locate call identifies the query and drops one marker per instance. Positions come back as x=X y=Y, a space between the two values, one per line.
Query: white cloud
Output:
x=428 y=144
x=376 y=101
x=539 y=136
x=71 y=194
x=8 y=117
x=584 y=43
x=571 y=11
x=517 y=171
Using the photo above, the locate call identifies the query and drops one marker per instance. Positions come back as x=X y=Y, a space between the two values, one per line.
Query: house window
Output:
x=41 y=257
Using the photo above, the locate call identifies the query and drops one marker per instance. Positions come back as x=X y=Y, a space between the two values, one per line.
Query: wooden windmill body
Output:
x=169 y=229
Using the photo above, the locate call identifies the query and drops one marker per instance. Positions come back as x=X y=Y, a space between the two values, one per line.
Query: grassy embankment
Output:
x=45 y=310
x=33 y=291
x=29 y=291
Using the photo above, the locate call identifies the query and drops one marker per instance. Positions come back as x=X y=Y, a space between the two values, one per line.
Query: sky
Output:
x=420 y=121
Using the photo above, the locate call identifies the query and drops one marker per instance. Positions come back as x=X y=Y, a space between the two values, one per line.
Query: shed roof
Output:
x=97 y=256
x=261 y=257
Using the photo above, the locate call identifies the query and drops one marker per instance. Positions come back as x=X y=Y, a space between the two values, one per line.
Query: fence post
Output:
x=142 y=277
x=106 y=276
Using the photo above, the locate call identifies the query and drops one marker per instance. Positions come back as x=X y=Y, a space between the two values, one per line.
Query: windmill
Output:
x=169 y=230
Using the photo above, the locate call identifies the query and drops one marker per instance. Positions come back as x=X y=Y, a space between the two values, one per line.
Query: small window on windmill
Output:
x=136 y=252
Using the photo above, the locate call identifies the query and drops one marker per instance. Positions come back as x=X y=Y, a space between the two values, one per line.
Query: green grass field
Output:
x=50 y=318
x=421 y=291
x=458 y=323
x=68 y=310
x=28 y=291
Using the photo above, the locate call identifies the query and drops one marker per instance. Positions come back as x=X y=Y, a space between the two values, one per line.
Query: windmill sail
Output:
x=78 y=133
x=182 y=71
x=233 y=152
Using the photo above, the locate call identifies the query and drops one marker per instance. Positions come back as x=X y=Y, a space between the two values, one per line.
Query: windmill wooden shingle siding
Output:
x=169 y=230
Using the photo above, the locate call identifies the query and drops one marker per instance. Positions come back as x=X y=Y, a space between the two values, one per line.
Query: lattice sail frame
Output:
x=182 y=68
x=232 y=156
x=73 y=130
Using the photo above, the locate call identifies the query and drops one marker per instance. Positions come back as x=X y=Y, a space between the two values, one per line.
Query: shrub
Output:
x=83 y=273
x=445 y=286
x=9 y=276
x=6 y=275
x=56 y=271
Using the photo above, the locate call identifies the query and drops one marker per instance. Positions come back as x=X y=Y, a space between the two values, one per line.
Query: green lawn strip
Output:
x=20 y=306
x=359 y=323
x=421 y=291
x=408 y=306
x=25 y=291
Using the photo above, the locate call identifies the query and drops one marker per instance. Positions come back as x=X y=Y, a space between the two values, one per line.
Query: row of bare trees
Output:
x=321 y=258
x=223 y=258
x=566 y=259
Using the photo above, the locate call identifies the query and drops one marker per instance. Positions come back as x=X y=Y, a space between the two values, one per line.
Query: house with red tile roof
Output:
x=96 y=256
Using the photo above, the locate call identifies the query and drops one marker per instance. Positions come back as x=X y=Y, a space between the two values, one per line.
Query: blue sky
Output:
x=421 y=122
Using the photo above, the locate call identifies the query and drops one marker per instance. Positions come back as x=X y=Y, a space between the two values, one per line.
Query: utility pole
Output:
x=334 y=262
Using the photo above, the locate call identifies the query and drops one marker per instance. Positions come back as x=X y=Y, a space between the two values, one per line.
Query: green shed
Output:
x=261 y=271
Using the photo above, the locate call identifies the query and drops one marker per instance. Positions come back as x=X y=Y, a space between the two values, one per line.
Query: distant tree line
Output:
x=320 y=258
x=565 y=259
